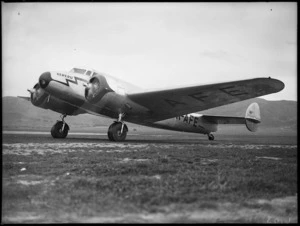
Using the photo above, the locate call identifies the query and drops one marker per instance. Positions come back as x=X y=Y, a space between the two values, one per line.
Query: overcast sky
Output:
x=152 y=45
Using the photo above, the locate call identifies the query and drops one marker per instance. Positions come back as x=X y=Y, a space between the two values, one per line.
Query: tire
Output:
x=56 y=130
x=109 y=133
x=114 y=132
x=211 y=137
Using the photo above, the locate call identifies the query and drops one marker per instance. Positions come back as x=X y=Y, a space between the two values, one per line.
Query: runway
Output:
x=40 y=145
x=183 y=138
x=149 y=178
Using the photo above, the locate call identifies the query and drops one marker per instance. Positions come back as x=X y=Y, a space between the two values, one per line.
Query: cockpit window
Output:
x=78 y=70
x=88 y=73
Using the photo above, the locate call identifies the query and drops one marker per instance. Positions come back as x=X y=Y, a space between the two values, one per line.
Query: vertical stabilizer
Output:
x=252 y=117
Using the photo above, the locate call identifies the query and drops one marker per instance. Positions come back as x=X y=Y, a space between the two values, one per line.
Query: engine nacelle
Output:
x=41 y=99
x=38 y=96
x=96 y=89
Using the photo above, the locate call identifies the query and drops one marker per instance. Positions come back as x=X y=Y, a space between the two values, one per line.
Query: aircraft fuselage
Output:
x=87 y=91
x=66 y=93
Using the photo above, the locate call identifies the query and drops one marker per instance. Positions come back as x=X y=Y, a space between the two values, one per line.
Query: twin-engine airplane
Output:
x=82 y=91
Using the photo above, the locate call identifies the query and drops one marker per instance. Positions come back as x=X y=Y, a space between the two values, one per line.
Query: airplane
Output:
x=83 y=90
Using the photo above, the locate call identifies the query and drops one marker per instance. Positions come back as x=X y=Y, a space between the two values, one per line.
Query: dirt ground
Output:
x=148 y=179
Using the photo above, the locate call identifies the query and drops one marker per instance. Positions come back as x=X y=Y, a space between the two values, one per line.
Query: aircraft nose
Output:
x=44 y=79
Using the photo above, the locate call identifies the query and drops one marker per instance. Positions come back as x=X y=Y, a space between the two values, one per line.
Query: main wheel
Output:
x=109 y=133
x=57 y=131
x=114 y=132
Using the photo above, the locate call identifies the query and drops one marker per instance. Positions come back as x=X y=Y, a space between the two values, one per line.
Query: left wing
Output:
x=26 y=98
x=170 y=103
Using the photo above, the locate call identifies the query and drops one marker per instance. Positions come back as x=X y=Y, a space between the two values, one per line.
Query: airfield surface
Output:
x=149 y=178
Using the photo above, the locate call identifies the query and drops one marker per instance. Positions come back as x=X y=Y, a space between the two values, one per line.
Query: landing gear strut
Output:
x=210 y=136
x=60 y=128
x=118 y=130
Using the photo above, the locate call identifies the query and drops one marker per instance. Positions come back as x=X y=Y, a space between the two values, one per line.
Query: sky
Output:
x=151 y=45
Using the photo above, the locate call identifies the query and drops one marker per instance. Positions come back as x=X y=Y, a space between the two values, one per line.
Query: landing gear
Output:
x=210 y=136
x=60 y=128
x=118 y=130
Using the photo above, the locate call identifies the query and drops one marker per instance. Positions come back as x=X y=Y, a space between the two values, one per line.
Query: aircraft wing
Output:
x=26 y=98
x=164 y=104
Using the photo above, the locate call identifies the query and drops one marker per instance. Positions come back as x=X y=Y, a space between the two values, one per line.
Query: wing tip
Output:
x=277 y=84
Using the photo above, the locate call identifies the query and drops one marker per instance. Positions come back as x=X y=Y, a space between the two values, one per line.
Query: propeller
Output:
x=92 y=89
x=96 y=88
x=35 y=93
x=31 y=91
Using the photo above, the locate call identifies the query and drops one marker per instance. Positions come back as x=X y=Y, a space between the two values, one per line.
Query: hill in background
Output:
x=279 y=117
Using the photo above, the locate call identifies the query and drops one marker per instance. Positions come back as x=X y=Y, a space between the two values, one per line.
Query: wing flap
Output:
x=170 y=103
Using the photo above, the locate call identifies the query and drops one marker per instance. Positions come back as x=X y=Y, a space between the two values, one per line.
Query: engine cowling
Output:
x=96 y=89
x=37 y=95
x=41 y=99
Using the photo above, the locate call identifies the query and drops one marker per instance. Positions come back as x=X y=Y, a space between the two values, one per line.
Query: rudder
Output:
x=252 y=117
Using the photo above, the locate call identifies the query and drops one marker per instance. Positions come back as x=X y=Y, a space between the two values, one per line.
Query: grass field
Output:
x=77 y=180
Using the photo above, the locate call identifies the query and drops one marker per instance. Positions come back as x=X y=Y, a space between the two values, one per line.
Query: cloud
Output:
x=292 y=43
x=220 y=54
x=149 y=43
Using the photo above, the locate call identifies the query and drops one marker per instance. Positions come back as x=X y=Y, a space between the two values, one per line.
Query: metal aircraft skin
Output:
x=82 y=91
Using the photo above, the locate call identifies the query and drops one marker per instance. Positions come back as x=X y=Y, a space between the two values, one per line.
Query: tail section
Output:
x=252 y=117
x=206 y=124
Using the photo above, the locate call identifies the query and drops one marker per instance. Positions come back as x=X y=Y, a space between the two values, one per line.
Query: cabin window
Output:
x=78 y=70
x=88 y=73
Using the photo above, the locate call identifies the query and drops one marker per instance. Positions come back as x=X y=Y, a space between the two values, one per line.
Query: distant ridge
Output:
x=18 y=114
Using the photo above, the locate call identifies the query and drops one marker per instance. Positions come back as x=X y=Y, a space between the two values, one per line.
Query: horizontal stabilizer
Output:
x=251 y=119
x=224 y=119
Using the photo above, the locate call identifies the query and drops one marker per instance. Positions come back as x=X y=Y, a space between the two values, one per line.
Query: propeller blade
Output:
x=31 y=90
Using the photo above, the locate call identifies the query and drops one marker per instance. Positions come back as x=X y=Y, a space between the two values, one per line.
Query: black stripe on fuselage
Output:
x=74 y=82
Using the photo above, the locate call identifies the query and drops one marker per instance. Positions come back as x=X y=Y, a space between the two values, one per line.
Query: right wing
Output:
x=164 y=104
